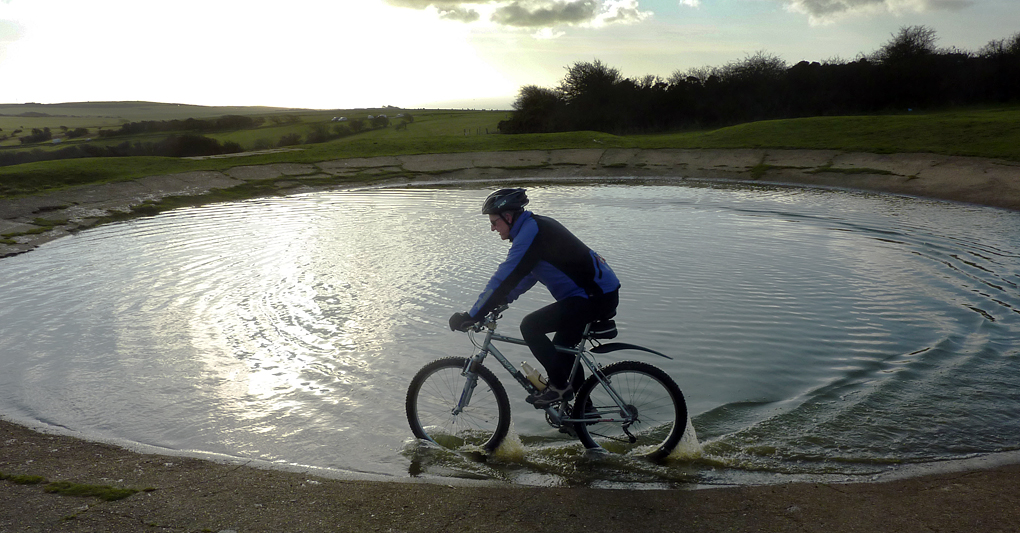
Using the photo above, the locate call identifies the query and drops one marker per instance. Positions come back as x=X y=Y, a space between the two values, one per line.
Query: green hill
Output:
x=985 y=132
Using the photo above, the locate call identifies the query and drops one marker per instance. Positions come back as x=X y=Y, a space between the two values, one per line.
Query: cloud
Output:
x=622 y=12
x=447 y=5
x=690 y=3
x=828 y=10
x=546 y=34
x=459 y=14
x=10 y=31
x=536 y=14
x=532 y=14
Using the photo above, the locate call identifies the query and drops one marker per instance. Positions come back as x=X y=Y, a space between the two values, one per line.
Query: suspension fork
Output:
x=470 y=372
x=469 y=387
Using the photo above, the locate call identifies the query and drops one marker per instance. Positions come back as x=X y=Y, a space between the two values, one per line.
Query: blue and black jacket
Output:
x=542 y=250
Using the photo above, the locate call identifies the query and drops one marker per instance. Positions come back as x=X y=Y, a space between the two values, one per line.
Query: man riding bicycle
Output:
x=542 y=250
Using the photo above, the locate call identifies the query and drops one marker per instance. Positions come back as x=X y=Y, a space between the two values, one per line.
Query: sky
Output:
x=347 y=54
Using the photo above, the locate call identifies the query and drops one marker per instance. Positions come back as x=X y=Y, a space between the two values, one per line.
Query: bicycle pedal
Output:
x=555 y=406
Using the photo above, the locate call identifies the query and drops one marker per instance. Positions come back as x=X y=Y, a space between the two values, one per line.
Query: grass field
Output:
x=986 y=132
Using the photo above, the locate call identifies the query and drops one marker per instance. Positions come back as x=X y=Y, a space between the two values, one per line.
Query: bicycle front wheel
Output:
x=433 y=413
x=650 y=423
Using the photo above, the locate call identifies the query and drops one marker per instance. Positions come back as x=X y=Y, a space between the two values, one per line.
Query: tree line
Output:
x=187 y=145
x=907 y=72
x=224 y=123
x=44 y=134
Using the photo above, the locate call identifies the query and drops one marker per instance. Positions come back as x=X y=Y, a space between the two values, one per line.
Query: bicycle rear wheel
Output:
x=434 y=394
x=654 y=401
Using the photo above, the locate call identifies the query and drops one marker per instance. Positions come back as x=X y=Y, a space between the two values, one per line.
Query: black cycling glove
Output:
x=461 y=322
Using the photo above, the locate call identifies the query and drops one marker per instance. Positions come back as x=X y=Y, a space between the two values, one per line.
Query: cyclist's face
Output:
x=498 y=223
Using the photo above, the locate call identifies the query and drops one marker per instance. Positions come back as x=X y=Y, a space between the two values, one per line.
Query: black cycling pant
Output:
x=567 y=318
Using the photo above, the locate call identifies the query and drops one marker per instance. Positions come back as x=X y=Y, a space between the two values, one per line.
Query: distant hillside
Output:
x=132 y=111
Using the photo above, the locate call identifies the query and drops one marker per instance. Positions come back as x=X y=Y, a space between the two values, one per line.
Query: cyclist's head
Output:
x=504 y=200
x=503 y=207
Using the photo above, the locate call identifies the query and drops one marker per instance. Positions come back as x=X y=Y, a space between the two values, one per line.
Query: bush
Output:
x=289 y=139
x=262 y=144
x=318 y=133
x=37 y=136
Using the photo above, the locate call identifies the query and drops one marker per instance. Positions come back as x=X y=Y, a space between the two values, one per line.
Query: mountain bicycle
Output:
x=626 y=407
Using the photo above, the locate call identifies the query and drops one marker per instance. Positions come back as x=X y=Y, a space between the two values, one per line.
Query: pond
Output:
x=816 y=334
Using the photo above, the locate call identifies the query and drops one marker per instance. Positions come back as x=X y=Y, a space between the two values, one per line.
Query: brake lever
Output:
x=493 y=316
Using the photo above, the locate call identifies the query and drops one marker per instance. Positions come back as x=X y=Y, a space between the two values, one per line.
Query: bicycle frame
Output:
x=622 y=407
x=557 y=416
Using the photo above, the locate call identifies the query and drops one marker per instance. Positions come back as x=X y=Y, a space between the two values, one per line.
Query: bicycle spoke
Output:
x=432 y=404
x=651 y=419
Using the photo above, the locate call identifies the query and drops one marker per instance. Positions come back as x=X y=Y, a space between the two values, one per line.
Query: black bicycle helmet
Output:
x=505 y=200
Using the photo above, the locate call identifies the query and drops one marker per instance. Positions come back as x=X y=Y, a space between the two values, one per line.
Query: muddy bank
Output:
x=30 y=221
x=189 y=495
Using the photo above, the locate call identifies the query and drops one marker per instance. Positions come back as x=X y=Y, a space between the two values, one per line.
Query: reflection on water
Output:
x=814 y=333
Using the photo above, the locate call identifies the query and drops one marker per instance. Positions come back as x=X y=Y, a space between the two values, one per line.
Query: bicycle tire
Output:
x=434 y=392
x=661 y=411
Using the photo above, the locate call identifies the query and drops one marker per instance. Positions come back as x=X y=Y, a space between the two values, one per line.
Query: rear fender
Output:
x=616 y=346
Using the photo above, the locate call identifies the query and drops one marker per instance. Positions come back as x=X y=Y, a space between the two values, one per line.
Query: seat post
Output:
x=585 y=335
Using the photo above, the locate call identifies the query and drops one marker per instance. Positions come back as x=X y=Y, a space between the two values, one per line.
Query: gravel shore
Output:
x=182 y=494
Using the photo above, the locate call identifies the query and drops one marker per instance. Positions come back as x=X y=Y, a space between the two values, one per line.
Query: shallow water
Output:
x=815 y=333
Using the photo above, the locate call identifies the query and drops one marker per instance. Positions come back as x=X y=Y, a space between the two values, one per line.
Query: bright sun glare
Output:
x=307 y=55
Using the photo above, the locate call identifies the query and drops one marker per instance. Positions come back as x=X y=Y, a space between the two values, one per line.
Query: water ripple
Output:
x=814 y=332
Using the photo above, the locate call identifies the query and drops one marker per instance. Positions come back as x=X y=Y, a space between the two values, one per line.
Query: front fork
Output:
x=470 y=372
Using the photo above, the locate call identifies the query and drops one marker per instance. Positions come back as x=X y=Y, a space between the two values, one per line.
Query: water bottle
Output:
x=533 y=376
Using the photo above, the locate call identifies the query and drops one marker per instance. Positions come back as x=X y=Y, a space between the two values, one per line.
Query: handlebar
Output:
x=490 y=319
